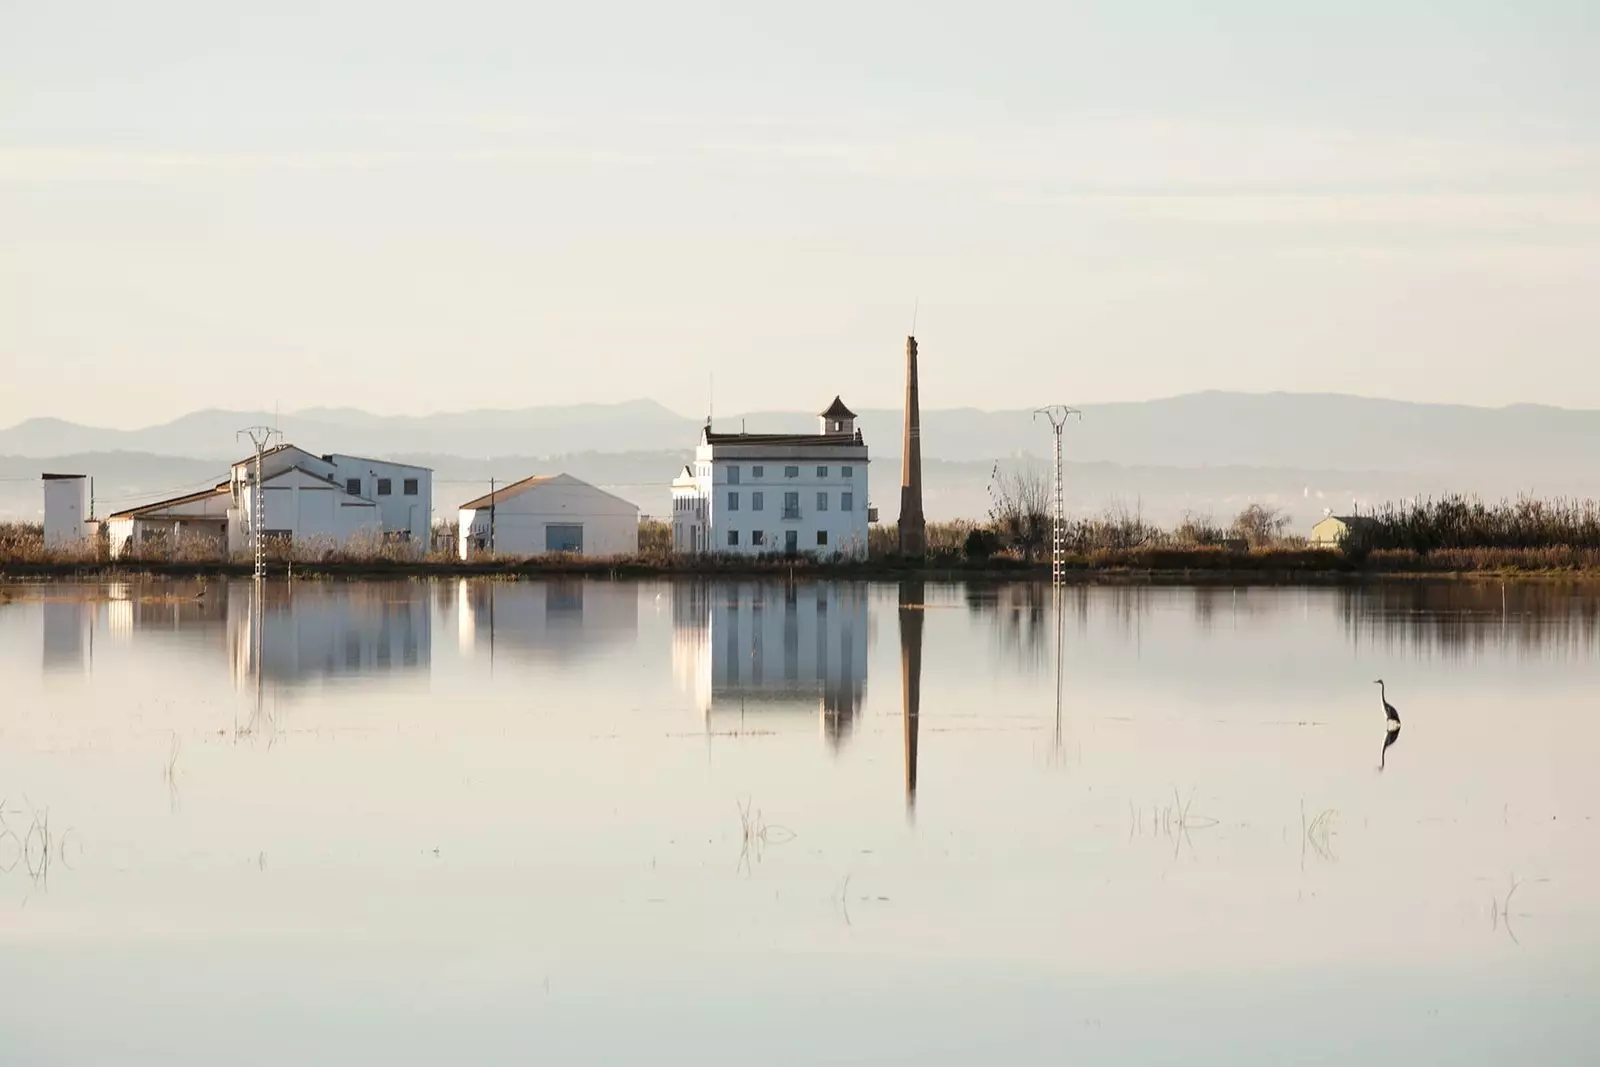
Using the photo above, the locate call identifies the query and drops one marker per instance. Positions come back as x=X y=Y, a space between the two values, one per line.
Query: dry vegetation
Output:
x=1452 y=535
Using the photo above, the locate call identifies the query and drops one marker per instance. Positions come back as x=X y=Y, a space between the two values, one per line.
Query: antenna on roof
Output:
x=916 y=305
x=711 y=396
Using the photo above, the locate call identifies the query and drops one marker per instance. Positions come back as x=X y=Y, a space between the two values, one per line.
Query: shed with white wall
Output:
x=549 y=513
x=66 y=499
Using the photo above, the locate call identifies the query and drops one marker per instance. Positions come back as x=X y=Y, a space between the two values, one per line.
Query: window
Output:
x=733 y=538
x=733 y=501
x=847 y=472
x=822 y=472
x=758 y=500
x=352 y=486
x=563 y=537
x=733 y=475
x=791 y=505
x=409 y=487
x=757 y=472
x=847 y=501
x=384 y=486
x=822 y=537
x=758 y=537
x=822 y=501
x=791 y=472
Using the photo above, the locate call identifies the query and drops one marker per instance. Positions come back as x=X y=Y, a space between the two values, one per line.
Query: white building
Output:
x=755 y=493
x=549 y=513
x=333 y=500
x=65 y=510
x=197 y=519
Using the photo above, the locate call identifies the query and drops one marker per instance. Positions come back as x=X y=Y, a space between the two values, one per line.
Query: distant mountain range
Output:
x=1204 y=452
x=1308 y=431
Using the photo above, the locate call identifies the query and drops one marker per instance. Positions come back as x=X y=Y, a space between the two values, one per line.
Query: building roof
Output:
x=187 y=498
x=265 y=452
x=1350 y=520
x=837 y=410
x=328 y=458
x=783 y=439
x=59 y=477
x=504 y=493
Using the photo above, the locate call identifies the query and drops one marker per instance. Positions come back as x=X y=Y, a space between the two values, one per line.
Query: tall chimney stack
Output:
x=913 y=527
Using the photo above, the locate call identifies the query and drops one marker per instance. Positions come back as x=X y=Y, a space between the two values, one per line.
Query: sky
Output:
x=415 y=207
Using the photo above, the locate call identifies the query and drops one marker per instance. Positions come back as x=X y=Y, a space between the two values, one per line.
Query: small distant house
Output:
x=549 y=513
x=1336 y=530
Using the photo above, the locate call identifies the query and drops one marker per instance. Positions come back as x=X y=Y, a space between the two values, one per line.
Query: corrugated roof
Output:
x=499 y=496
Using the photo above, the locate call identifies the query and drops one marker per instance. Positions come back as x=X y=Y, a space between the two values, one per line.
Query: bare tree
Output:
x=1019 y=509
x=1260 y=525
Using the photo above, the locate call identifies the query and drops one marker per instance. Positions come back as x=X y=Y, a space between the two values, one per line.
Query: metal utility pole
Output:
x=1058 y=415
x=260 y=436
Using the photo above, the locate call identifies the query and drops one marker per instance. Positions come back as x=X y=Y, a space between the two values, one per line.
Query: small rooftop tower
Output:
x=838 y=419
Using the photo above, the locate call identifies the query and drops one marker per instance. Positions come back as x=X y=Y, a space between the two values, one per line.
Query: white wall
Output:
x=65 y=508
x=397 y=509
x=846 y=530
x=312 y=511
x=610 y=524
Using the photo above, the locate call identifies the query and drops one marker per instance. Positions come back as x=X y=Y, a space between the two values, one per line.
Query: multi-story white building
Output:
x=756 y=493
x=332 y=499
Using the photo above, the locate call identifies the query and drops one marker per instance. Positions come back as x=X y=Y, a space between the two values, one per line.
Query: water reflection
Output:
x=770 y=648
x=973 y=903
x=913 y=608
x=294 y=633
x=555 y=619
x=1549 y=619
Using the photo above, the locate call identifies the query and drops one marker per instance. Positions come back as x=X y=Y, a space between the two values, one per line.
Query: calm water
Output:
x=608 y=822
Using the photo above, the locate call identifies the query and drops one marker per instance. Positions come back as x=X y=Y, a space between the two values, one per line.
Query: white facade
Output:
x=329 y=501
x=755 y=494
x=549 y=513
x=198 y=520
x=393 y=499
x=65 y=510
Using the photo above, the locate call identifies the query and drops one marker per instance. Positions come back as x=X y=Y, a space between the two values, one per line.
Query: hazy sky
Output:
x=415 y=207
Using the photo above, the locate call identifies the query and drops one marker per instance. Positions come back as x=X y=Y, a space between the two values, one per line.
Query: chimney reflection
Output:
x=912 y=617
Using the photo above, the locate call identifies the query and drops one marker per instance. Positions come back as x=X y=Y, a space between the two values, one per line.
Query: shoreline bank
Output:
x=1267 y=568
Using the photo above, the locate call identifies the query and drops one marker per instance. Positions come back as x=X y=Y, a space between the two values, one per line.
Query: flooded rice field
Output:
x=753 y=822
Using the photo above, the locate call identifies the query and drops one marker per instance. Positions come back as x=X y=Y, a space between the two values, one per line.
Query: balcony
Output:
x=791 y=511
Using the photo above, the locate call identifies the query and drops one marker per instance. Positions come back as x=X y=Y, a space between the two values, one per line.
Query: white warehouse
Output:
x=332 y=500
x=756 y=493
x=549 y=513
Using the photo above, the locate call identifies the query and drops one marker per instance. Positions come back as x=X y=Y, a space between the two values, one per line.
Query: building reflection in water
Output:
x=298 y=632
x=555 y=619
x=68 y=632
x=772 y=648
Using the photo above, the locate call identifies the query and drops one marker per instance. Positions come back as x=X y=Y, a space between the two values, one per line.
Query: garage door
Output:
x=563 y=538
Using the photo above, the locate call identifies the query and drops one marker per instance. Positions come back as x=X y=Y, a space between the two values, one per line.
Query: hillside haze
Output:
x=1204 y=452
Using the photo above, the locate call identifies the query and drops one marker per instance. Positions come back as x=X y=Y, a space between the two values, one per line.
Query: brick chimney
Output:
x=913 y=528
